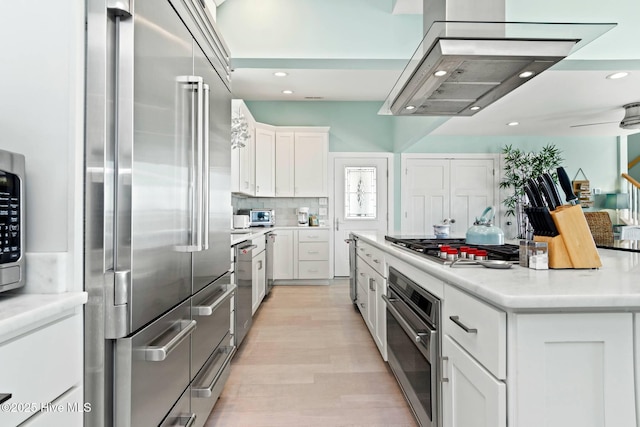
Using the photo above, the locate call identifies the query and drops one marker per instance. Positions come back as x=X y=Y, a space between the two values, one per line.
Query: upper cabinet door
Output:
x=265 y=161
x=311 y=151
x=285 y=160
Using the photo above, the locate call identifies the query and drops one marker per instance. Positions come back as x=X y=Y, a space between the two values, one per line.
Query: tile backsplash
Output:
x=285 y=207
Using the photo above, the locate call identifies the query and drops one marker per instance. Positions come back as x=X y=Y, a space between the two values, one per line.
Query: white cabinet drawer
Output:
x=313 y=269
x=50 y=362
x=311 y=251
x=372 y=256
x=311 y=235
x=478 y=328
x=260 y=242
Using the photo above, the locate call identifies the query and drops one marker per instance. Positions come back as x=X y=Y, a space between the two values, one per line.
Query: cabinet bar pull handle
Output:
x=456 y=320
x=313 y=252
x=376 y=261
x=444 y=379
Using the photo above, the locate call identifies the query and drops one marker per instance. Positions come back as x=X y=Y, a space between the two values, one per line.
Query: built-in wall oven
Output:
x=413 y=345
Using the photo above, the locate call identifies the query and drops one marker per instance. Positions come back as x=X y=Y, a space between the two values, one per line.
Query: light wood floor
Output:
x=309 y=360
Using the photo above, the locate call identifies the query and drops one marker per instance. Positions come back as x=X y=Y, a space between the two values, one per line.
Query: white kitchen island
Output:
x=550 y=347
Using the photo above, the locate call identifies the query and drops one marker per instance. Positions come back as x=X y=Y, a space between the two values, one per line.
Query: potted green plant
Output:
x=518 y=167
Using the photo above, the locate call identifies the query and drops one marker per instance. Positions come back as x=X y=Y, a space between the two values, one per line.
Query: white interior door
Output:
x=360 y=203
x=437 y=188
x=426 y=195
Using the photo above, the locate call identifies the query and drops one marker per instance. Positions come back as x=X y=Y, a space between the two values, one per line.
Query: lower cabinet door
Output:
x=471 y=396
x=66 y=411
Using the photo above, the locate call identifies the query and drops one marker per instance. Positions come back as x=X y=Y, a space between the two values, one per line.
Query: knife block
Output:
x=574 y=246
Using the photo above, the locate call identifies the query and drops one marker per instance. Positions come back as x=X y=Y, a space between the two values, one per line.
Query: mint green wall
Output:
x=355 y=126
x=623 y=12
x=318 y=29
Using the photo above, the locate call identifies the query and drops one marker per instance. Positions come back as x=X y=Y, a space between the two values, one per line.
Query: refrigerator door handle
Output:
x=195 y=85
x=208 y=310
x=205 y=168
x=154 y=353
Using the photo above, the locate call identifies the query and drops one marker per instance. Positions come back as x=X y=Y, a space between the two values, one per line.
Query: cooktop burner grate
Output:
x=430 y=248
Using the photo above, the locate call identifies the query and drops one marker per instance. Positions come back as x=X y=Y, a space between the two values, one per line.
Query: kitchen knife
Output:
x=565 y=183
x=554 y=190
x=537 y=198
x=533 y=201
x=546 y=193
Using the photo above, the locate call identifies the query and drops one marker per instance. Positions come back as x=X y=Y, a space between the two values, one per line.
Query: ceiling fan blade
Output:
x=592 y=124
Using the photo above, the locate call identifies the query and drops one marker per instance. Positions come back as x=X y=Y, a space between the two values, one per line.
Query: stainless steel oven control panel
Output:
x=12 y=214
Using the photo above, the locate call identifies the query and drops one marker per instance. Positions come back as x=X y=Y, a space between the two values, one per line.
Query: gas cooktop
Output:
x=430 y=248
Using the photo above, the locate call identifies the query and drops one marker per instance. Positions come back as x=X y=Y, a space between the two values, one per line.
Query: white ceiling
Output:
x=259 y=84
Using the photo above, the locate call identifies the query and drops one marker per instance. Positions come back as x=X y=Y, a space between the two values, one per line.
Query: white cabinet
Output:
x=301 y=254
x=471 y=396
x=371 y=286
x=279 y=161
x=574 y=369
x=313 y=253
x=310 y=172
x=243 y=159
x=301 y=162
x=284 y=164
x=44 y=368
x=283 y=255
x=258 y=285
x=474 y=362
x=265 y=161
x=258 y=272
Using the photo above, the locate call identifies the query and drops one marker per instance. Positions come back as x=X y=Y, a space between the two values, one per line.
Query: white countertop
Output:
x=20 y=313
x=615 y=286
x=242 y=234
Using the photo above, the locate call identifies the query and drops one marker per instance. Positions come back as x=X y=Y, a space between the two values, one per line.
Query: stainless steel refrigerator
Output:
x=158 y=210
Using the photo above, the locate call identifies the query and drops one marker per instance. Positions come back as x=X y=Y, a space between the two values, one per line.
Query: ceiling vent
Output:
x=631 y=118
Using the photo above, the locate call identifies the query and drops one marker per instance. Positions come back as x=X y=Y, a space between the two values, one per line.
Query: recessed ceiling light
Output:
x=440 y=73
x=474 y=108
x=617 y=75
x=526 y=74
x=410 y=107
x=280 y=74
x=287 y=92
x=513 y=124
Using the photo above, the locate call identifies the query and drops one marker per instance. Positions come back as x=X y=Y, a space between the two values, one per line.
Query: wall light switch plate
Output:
x=322 y=211
x=322 y=201
x=597 y=191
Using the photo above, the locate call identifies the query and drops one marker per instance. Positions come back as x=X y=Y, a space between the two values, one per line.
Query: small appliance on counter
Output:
x=303 y=217
x=259 y=217
x=12 y=214
x=241 y=221
x=441 y=231
x=483 y=232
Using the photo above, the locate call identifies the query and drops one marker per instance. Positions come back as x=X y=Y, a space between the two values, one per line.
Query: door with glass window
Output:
x=360 y=203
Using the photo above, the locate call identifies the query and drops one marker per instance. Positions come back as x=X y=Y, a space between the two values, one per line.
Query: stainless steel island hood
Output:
x=461 y=67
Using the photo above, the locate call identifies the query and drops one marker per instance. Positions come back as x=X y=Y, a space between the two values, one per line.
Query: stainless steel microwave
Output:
x=12 y=216
x=259 y=217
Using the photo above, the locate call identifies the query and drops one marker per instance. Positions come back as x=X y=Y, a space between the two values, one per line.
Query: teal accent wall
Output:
x=318 y=29
x=619 y=43
x=355 y=125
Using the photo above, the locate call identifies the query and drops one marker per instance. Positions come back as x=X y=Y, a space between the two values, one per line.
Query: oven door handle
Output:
x=417 y=336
